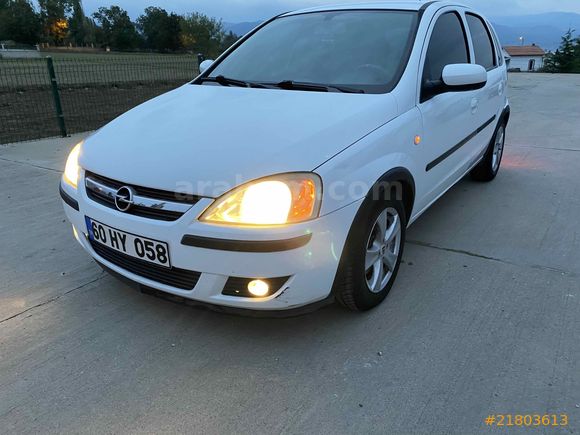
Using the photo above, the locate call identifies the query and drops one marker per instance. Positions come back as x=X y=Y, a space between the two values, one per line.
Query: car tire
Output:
x=487 y=169
x=357 y=286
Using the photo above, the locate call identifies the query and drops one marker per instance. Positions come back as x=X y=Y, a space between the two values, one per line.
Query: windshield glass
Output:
x=367 y=50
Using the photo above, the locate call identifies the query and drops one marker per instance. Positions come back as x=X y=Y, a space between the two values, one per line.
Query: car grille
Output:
x=174 y=277
x=148 y=203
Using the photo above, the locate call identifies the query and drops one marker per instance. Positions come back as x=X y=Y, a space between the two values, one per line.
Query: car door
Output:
x=448 y=116
x=488 y=100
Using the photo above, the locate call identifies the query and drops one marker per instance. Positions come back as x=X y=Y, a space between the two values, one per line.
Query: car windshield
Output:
x=361 y=50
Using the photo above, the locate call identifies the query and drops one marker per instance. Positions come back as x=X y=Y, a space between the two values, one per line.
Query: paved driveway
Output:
x=484 y=318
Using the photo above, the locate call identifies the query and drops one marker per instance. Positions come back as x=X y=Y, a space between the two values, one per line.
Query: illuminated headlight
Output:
x=72 y=169
x=276 y=200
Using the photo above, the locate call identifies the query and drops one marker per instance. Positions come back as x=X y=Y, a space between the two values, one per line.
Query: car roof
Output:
x=385 y=5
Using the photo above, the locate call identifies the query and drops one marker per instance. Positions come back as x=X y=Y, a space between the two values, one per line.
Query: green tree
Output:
x=577 y=55
x=228 y=40
x=77 y=24
x=19 y=22
x=202 y=34
x=160 y=30
x=91 y=30
x=566 y=59
x=116 y=28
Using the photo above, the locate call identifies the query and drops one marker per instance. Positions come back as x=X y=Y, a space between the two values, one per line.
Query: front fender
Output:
x=350 y=175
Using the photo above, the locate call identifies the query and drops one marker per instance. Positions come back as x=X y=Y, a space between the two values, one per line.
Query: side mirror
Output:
x=205 y=65
x=464 y=77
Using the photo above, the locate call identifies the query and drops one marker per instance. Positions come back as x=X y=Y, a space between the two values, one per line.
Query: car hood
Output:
x=205 y=139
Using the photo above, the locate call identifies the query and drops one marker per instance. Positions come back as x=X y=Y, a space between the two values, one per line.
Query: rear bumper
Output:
x=308 y=253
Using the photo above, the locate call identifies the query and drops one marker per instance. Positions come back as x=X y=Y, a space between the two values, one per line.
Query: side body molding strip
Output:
x=459 y=145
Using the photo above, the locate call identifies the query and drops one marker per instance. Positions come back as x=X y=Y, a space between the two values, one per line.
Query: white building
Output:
x=525 y=57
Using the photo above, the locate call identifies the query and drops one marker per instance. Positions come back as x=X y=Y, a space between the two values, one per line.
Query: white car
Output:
x=287 y=173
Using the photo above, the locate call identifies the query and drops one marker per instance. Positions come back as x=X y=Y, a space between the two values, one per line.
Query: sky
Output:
x=255 y=10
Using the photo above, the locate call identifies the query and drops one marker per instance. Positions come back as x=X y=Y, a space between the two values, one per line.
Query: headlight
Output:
x=72 y=169
x=281 y=199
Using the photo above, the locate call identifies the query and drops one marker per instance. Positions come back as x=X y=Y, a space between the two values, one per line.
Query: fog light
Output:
x=76 y=234
x=253 y=287
x=259 y=288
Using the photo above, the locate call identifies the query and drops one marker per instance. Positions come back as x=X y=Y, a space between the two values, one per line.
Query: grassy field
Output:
x=67 y=55
x=94 y=89
x=78 y=68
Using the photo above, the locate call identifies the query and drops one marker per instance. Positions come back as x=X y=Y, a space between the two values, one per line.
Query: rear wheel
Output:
x=488 y=168
x=372 y=255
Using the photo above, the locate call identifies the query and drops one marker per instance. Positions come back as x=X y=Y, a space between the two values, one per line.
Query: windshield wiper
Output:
x=284 y=84
x=226 y=81
x=315 y=87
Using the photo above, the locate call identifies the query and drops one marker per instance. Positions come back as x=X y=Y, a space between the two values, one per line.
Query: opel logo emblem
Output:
x=124 y=198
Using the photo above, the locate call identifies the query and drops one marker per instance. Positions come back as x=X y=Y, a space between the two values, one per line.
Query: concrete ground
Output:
x=483 y=319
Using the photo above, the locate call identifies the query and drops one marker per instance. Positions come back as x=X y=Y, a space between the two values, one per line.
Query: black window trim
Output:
x=489 y=35
x=456 y=12
x=384 y=89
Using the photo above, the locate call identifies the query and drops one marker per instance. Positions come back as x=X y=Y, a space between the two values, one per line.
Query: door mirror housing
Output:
x=455 y=77
x=464 y=77
x=205 y=65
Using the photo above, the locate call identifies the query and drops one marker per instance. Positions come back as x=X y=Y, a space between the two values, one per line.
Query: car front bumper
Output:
x=307 y=253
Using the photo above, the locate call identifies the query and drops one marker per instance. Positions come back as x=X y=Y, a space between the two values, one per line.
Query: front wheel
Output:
x=372 y=255
x=488 y=168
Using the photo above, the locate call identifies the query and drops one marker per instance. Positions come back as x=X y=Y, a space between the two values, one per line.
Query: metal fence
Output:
x=73 y=93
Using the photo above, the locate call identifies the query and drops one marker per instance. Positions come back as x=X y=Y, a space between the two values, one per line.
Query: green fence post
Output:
x=200 y=59
x=56 y=96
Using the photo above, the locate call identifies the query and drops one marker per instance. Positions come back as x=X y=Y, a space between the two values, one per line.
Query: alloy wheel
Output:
x=498 y=149
x=383 y=247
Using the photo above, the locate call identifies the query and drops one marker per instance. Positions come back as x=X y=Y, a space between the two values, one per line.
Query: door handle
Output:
x=474 y=105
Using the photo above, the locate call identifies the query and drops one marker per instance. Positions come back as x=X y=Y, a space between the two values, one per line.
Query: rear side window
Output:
x=447 y=46
x=498 y=52
x=482 y=45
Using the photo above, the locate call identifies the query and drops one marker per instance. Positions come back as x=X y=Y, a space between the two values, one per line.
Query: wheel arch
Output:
x=505 y=115
x=401 y=181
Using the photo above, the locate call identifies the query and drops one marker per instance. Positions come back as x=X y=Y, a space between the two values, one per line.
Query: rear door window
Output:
x=498 y=51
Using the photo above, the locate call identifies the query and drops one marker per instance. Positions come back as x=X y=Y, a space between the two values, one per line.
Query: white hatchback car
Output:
x=286 y=174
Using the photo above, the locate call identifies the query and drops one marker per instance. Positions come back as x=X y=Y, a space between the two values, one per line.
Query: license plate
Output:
x=143 y=248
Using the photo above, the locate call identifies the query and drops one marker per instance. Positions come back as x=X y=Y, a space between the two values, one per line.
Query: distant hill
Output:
x=544 y=30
